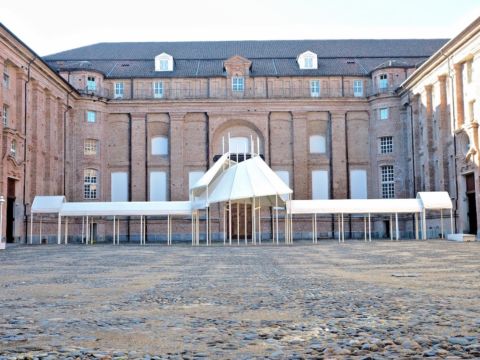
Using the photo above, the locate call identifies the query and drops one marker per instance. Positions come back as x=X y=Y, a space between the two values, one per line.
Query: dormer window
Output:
x=238 y=84
x=307 y=60
x=163 y=62
x=91 y=84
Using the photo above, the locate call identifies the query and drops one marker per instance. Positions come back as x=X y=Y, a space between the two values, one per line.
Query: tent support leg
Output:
x=41 y=220
x=396 y=227
x=451 y=221
x=391 y=228
x=259 y=223
x=66 y=230
x=230 y=223
x=59 y=230
x=114 y=229
x=365 y=227
x=245 y=218
x=416 y=226
x=224 y=224
x=441 y=223
x=369 y=228
x=254 y=238
x=424 y=225
x=31 y=228
x=339 y=230
x=238 y=223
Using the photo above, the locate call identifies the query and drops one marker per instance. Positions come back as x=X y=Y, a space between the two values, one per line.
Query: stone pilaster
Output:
x=300 y=156
x=339 y=158
x=428 y=141
x=177 y=173
x=138 y=175
x=460 y=108
x=444 y=132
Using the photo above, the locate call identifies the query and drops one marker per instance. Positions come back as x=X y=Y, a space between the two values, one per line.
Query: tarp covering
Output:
x=249 y=179
x=435 y=200
x=47 y=204
x=123 y=208
x=213 y=172
x=355 y=206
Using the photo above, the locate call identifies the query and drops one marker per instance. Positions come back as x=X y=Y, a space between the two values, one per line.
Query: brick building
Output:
x=142 y=121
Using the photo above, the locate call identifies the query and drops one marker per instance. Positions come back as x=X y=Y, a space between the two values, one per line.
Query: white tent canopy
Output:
x=249 y=179
x=47 y=204
x=124 y=208
x=435 y=200
x=355 y=206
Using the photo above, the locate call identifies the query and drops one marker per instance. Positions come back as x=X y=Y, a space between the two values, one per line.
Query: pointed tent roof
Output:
x=249 y=179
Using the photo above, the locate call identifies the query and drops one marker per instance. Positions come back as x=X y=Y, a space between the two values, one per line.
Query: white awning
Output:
x=435 y=200
x=47 y=204
x=213 y=172
x=123 y=208
x=355 y=206
x=249 y=179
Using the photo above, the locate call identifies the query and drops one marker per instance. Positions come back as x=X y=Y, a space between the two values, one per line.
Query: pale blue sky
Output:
x=49 y=26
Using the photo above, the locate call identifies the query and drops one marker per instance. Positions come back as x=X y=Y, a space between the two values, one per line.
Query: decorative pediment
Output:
x=237 y=66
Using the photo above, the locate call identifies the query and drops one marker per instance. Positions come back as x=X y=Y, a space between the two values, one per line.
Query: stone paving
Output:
x=407 y=299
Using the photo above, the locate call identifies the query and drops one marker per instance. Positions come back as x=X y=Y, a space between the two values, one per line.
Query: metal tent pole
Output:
x=59 y=229
x=441 y=223
x=369 y=228
x=424 y=225
x=391 y=227
x=66 y=230
x=365 y=227
x=254 y=237
x=396 y=227
x=230 y=222
x=451 y=221
x=416 y=226
x=114 y=231
x=245 y=219
x=31 y=228
x=238 y=223
x=259 y=221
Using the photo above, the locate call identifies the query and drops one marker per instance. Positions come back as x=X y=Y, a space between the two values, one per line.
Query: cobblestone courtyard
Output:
x=356 y=300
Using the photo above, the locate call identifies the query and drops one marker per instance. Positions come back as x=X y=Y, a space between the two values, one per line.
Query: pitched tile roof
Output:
x=269 y=58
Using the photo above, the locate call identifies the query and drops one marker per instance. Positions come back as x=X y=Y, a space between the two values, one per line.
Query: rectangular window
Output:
x=119 y=187
x=90 y=147
x=386 y=144
x=91 y=116
x=384 y=114
x=163 y=64
x=357 y=88
x=5 y=115
x=308 y=62
x=238 y=83
x=6 y=80
x=315 y=88
x=388 y=181
x=320 y=184
x=158 y=186
x=158 y=89
x=118 y=90
x=383 y=82
x=90 y=178
x=91 y=84
x=358 y=184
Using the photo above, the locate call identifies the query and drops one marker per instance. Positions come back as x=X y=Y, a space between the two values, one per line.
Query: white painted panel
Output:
x=158 y=186
x=119 y=186
x=317 y=144
x=193 y=177
x=239 y=144
x=284 y=175
x=358 y=184
x=320 y=185
x=160 y=145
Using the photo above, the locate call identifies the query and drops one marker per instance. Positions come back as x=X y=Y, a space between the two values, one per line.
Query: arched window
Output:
x=160 y=145
x=317 y=144
x=90 y=181
x=239 y=144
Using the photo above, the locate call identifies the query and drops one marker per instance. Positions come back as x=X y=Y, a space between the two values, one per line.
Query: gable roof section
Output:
x=269 y=58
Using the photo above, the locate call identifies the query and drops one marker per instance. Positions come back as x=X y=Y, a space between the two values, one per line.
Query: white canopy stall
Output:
x=250 y=182
x=435 y=200
x=355 y=206
x=123 y=208
x=44 y=205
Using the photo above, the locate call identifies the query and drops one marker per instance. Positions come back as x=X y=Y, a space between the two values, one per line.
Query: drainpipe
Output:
x=207 y=140
x=330 y=165
x=147 y=187
x=129 y=168
x=25 y=146
x=269 y=164
x=65 y=143
x=347 y=165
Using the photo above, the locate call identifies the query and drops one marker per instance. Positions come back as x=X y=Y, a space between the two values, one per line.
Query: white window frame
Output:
x=159 y=145
x=315 y=88
x=119 y=90
x=91 y=83
x=163 y=64
x=90 y=183
x=13 y=148
x=383 y=81
x=318 y=144
x=387 y=179
x=386 y=144
x=158 y=89
x=358 y=88
x=238 y=84
x=91 y=116
x=90 y=147
x=5 y=115
x=383 y=113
